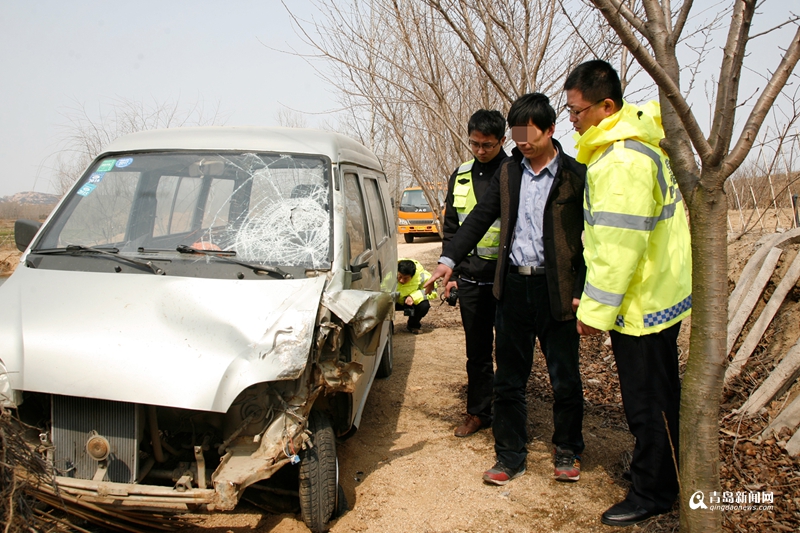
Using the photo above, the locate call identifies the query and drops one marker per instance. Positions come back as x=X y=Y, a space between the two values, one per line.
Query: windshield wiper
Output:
x=225 y=256
x=113 y=252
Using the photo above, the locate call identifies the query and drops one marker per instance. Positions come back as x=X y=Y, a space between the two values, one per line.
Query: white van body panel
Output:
x=191 y=343
x=338 y=148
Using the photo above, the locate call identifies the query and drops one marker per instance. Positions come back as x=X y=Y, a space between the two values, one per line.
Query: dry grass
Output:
x=760 y=221
x=18 y=510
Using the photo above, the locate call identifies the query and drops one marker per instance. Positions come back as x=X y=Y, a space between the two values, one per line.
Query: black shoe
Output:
x=626 y=513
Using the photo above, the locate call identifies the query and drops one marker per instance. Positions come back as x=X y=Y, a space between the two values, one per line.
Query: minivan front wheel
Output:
x=408 y=237
x=319 y=484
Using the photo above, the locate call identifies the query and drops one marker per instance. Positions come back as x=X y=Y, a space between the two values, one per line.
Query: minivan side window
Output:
x=376 y=210
x=356 y=218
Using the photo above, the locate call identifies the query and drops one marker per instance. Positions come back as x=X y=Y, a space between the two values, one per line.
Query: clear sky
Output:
x=57 y=55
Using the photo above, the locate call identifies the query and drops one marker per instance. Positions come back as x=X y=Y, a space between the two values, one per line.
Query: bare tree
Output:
x=290 y=118
x=702 y=163
x=767 y=182
x=410 y=73
x=86 y=134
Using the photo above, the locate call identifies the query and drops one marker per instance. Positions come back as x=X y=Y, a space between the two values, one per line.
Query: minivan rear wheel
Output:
x=387 y=359
x=319 y=482
x=408 y=237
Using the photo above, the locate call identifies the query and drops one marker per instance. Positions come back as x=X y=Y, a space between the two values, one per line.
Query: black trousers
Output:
x=420 y=310
x=522 y=315
x=648 y=378
x=477 y=315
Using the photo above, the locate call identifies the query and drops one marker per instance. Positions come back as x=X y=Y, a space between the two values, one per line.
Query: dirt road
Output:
x=404 y=471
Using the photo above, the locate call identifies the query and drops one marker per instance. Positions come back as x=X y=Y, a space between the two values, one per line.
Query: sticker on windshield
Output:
x=96 y=178
x=86 y=189
x=106 y=165
x=124 y=162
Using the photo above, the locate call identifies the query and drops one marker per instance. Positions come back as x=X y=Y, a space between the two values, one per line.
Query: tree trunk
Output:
x=702 y=383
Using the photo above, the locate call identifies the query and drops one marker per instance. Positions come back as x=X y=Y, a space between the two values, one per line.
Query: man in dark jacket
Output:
x=537 y=193
x=475 y=274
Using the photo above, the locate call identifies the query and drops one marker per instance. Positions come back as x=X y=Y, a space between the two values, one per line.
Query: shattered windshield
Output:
x=270 y=209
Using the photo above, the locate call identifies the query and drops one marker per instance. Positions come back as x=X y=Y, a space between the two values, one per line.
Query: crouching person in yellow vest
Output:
x=412 y=300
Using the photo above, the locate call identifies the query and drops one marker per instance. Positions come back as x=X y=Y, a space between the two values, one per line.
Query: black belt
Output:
x=474 y=281
x=527 y=270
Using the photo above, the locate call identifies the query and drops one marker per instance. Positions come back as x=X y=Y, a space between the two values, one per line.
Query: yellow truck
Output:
x=415 y=216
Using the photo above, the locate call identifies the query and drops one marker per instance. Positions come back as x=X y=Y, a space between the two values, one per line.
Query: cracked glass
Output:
x=270 y=209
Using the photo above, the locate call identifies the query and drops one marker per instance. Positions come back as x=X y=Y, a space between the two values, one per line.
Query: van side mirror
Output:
x=24 y=232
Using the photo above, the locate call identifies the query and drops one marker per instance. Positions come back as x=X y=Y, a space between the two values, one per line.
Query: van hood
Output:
x=191 y=343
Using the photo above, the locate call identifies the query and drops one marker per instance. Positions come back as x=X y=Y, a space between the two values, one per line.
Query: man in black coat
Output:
x=537 y=194
x=475 y=274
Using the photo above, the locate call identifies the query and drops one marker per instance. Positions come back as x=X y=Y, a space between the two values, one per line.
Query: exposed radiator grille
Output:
x=74 y=419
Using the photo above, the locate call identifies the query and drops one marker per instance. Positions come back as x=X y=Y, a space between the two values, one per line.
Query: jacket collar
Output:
x=491 y=165
x=518 y=157
x=631 y=122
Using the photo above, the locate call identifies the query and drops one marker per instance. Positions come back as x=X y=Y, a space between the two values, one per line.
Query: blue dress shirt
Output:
x=527 y=245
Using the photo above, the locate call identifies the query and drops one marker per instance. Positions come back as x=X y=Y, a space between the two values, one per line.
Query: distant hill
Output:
x=31 y=198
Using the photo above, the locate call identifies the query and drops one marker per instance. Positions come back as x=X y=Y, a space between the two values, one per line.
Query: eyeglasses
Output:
x=486 y=146
x=576 y=113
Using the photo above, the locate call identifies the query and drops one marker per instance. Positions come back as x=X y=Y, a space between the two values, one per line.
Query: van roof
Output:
x=339 y=148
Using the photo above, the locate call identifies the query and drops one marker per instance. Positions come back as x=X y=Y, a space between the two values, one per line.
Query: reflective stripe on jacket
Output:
x=414 y=287
x=636 y=242
x=464 y=201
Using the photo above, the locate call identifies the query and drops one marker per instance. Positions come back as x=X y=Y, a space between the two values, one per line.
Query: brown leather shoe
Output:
x=470 y=426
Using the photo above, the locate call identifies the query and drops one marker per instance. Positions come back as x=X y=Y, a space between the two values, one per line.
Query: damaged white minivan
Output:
x=204 y=307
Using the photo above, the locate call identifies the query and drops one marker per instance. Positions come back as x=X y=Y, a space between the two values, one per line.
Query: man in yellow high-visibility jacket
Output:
x=638 y=279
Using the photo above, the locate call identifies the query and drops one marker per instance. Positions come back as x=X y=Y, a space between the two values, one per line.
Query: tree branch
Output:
x=663 y=80
x=728 y=83
x=630 y=17
x=779 y=26
x=683 y=16
x=656 y=18
x=437 y=5
x=764 y=103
